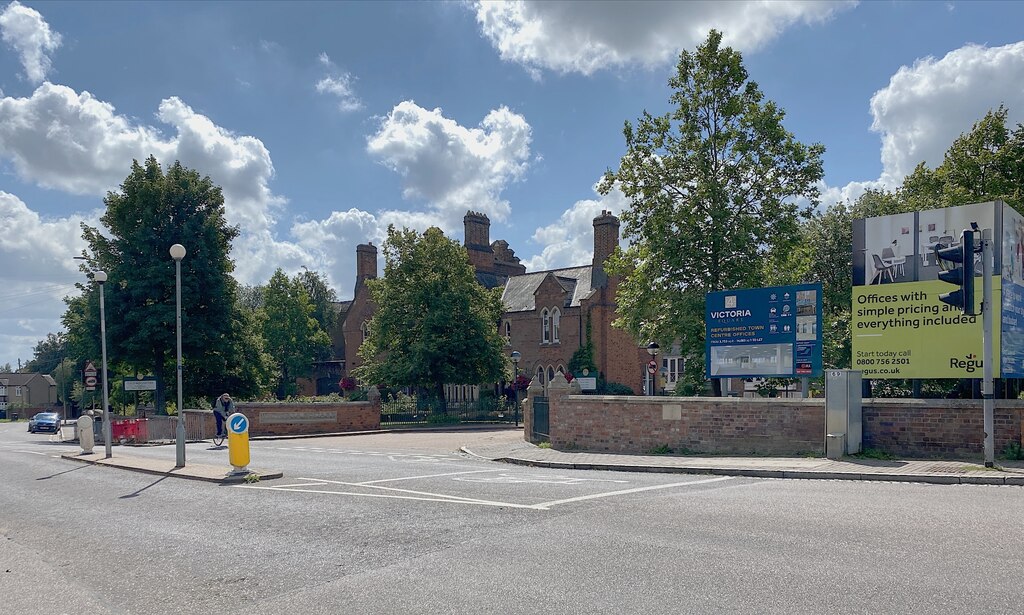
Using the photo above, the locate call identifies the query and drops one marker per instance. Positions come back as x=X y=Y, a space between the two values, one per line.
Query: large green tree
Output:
x=48 y=354
x=293 y=337
x=153 y=210
x=435 y=324
x=714 y=187
x=322 y=296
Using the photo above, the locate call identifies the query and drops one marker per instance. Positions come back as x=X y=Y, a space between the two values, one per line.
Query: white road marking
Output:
x=511 y=479
x=424 y=493
x=33 y=453
x=388 y=480
x=546 y=505
x=445 y=499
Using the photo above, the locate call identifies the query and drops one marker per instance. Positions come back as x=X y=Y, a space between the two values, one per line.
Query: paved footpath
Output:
x=850 y=468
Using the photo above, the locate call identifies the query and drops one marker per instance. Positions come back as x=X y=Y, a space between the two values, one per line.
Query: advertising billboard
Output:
x=763 y=332
x=900 y=328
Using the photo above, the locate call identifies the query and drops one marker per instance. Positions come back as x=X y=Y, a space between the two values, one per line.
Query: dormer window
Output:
x=545 y=336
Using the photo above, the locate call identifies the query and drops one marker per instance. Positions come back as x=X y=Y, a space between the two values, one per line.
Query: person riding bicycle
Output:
x=224 y=408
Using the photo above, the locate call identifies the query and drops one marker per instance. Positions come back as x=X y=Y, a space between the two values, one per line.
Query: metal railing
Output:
x=408 y=411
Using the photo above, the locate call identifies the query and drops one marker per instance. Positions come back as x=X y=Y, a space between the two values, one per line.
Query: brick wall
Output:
x=907 y=428
x=298 y=419
x=938 y=428
x=708 y=425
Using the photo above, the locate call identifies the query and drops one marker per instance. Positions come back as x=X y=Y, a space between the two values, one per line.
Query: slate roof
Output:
x=18 y=379
x=519 y=289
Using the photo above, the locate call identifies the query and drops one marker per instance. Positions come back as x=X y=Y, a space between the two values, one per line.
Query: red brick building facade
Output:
x=546 y=312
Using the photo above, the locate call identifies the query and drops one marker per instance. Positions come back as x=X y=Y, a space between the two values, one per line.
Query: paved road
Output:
x=406 y=524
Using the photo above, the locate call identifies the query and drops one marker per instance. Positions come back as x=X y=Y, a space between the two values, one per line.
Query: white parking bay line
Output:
x=441 y=498
x=389 y=480
x=424 y=493
x=547 y=505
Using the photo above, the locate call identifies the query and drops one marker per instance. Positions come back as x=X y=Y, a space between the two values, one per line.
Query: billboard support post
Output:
x=986 y=316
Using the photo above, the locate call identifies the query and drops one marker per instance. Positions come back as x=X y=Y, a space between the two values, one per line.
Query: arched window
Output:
x=365 y=328
x=551 y=373
x=545 y=334
x=508 y=332
x=540 y=374
x=555 y=317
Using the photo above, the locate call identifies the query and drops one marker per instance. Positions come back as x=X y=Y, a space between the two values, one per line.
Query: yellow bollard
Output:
x=238 y=442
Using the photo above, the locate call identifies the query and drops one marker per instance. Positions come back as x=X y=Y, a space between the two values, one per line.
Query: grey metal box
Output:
x=843 y=408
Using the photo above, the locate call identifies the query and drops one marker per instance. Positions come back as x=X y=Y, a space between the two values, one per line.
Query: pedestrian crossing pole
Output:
x=988 y=399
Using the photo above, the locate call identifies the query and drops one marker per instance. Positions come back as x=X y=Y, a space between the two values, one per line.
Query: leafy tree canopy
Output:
x=293 y=337
x=713 y=188
x=47 y=354
x=152 y=211
x=435 y=324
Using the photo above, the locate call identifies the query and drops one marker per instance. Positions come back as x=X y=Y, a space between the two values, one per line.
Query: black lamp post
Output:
x=652 y=349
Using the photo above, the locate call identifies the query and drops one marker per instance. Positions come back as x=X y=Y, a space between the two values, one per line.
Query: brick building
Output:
x=547 y=312
x=493 y=262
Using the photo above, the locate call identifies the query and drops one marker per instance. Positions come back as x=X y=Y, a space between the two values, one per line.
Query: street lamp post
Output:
x=101 y=277
x=515 y=380
x=652 y=349
x=178 y=253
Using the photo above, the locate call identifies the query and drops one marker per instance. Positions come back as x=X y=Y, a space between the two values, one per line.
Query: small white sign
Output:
x=140 y=385
x=587 y=384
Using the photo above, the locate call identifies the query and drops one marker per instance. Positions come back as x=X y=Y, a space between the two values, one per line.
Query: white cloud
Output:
x=27 y=33
x=73 y=142
x=569 y=241
x=451 y=167
x=928 y=105
x=38 y=272
x=339 y=85
x=585 y=37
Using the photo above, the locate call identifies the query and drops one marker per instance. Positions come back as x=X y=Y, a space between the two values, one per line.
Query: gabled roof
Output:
x=518 y=295
x=19 y=379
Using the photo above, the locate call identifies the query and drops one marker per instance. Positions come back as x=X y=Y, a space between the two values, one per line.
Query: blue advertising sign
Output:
x=764 y=332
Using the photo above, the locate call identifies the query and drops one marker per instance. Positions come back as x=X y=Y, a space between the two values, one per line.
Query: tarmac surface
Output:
x=520 y=452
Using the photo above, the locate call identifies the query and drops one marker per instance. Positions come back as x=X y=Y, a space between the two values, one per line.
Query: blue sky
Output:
x=325 y=122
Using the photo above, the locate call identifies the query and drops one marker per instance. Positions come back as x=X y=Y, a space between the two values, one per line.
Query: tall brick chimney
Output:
x=478 y=230
x=366 y=263
x=606 y=238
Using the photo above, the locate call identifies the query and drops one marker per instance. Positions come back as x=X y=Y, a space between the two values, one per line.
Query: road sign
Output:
x=652 y=367
x=238 y=442
x=238 y=423
x=140 y=383
x=89 y=376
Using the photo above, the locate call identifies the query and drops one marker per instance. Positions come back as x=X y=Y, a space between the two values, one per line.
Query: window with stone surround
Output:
x=545 y=331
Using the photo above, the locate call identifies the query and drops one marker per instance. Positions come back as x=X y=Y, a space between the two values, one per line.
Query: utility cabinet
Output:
x=844 y=425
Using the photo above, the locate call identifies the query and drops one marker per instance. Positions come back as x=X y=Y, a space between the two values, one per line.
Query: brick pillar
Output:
x=536 y=389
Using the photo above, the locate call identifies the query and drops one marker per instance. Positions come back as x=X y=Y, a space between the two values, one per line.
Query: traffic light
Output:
x=961 y=275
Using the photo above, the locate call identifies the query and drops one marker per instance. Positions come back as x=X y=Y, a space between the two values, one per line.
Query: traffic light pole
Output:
x=988 y=399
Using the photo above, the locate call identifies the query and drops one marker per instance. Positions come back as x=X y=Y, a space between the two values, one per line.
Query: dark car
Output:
x=44 y=421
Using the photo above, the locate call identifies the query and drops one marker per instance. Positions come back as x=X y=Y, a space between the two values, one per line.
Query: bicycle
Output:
x=218 y=440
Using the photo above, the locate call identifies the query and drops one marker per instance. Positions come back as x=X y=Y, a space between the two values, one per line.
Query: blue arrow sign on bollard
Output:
x=239 y=424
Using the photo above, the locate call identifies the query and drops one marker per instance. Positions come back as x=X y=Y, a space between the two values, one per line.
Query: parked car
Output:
x=44 y=421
